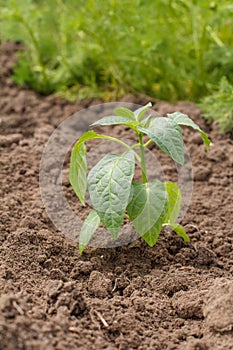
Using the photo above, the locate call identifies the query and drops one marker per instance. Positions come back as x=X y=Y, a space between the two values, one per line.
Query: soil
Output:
x=173 y=296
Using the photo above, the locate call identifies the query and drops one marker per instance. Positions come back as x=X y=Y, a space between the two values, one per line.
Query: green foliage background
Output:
x=219 y=106
x=83 y=48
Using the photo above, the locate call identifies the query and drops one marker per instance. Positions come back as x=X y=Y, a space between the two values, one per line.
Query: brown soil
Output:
x=173 y=296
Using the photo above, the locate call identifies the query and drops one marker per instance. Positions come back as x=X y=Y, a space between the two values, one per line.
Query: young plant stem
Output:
x=147 y=143
x=110 y=138
x=143 y=160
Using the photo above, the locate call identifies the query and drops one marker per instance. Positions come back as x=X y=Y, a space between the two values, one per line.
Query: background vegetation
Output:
x=168 y=49
x=219 y=106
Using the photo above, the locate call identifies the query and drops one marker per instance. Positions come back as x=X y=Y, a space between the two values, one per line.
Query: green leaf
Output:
x=124 y=112
x=152 y=235
x=87 y=136
x=139 y=113
x=78 y=171
x=116 y=120
x=168 y=136
x=177 y=228
x=183 y=119
x=78 y=165
x=109 y=184
x=174 y=202
x=89 y=227
x=145 y=122
x=146 y=209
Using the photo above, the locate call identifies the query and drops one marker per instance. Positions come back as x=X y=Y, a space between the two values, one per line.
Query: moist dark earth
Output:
x=173 y=296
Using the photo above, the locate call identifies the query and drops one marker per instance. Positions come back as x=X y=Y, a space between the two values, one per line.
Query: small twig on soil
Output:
x=18 y=308
x=100 y=317
x=74 y=330
x=115 y=285
x=93 y=318
x=186 y=268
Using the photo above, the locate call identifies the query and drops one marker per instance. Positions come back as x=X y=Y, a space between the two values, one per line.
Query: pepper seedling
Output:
x=114 y=195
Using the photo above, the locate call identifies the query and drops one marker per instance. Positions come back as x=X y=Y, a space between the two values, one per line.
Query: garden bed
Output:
x=173 y=296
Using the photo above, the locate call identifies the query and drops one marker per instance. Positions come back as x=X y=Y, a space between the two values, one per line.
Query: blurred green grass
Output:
x=171 y=50
x=219 y=106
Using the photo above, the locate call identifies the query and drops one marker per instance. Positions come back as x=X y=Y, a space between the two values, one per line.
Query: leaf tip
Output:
x=181 y=161
x=81 y=248
x=208 y=144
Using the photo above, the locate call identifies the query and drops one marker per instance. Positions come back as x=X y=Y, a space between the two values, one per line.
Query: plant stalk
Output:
x=143 y=160
x=110 y=138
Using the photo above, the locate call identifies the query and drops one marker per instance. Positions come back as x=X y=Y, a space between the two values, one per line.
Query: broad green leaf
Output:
x=109 y=184
x=179 y=230
x=183 y=119
x=116 y=120
x=146 y=209
x=78 y=171
x=168 y=136
x=174 y=202
x=78 y=165
x=89 y=227
x=151 y=236
x=125 y=112
x=139 y=113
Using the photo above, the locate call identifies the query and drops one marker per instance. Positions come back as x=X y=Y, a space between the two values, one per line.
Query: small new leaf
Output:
x=89 y=227
x=116 y=120
x=139 y=113
x=125 y=112
x=183 y=119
